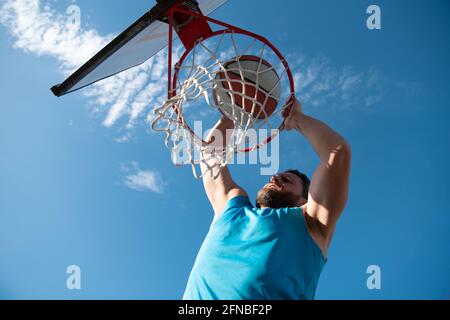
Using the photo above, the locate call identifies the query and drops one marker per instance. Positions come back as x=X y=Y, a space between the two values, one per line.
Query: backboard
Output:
x=141 y=41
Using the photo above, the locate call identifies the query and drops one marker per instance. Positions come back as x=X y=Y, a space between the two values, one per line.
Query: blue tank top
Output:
x=256 y=254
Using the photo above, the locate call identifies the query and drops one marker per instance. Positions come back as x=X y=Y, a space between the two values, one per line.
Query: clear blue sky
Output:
x=76 y=190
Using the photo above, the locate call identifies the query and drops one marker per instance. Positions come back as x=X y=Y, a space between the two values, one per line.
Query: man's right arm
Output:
x=223 y=188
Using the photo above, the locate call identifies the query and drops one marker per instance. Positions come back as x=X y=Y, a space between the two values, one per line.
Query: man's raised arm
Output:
x=223 y=188
x=328 y=191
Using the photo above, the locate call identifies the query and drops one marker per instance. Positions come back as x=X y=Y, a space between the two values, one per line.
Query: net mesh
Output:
x=235 y=74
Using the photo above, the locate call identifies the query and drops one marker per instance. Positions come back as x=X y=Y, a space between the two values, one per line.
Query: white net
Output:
x=235 y=74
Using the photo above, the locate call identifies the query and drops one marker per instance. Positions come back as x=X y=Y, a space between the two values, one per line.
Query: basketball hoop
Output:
x=236 y=72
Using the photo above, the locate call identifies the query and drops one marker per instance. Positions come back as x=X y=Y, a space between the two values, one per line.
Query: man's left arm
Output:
x=329 y=187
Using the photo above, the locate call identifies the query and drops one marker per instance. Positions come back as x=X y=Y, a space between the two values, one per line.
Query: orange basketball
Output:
x=250 y=83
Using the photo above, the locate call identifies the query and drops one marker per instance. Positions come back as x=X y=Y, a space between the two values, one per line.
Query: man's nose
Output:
x=275 y=178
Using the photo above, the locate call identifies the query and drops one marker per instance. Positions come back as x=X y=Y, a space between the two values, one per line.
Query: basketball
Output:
x=250 y=83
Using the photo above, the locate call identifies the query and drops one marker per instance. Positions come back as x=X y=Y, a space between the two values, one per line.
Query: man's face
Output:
x=284 y=190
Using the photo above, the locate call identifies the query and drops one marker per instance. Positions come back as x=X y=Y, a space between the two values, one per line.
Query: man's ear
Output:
x=302 y=201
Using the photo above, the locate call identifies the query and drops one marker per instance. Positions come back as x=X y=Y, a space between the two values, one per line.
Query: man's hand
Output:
x=292 y=115
x=222 y=189
x=218 y=137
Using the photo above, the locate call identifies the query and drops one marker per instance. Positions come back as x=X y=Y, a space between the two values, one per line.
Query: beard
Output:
x=276 y=199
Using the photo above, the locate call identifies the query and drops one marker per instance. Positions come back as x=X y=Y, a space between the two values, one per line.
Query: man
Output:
x=278 y=249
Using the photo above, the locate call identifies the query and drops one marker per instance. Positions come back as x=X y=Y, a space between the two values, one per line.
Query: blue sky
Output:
x=84 y=182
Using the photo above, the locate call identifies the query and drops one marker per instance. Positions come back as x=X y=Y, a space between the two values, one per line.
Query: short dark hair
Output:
x=305 y=180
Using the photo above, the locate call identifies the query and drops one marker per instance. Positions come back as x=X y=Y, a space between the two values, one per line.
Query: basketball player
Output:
x=278 y=248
